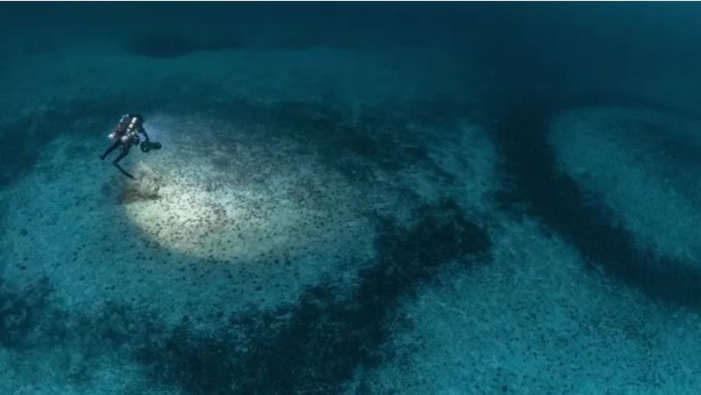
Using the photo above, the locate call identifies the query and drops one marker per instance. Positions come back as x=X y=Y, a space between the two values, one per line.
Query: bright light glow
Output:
x=187 y=204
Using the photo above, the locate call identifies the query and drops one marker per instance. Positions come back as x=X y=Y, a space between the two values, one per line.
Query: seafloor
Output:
x=352 y=212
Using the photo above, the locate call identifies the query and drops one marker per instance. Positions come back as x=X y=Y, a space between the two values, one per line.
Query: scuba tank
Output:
x=122 y=128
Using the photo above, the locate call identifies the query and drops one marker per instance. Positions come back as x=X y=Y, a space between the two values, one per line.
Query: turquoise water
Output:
x=351 y=198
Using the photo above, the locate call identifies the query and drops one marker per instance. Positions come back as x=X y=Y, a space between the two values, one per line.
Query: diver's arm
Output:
x=143 y=131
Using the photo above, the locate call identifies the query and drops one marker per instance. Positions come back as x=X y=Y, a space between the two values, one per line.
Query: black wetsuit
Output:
x=125 y=145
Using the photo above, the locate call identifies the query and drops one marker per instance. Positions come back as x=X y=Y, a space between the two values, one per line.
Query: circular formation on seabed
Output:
x=346 y=236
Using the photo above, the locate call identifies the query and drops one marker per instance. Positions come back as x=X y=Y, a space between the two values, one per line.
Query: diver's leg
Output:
x=125 y=151
x=110 y=149
x=122 y=170
x=115 y=162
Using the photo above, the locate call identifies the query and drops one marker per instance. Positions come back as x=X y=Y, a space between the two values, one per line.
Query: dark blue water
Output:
x=305 y=78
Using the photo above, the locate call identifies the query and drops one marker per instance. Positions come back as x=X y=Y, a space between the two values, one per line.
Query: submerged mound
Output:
x=207 y=227
x=644 y=167
x=588 y=179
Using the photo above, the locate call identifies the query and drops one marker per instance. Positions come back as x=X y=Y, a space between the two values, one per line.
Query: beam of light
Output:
x=186 y=204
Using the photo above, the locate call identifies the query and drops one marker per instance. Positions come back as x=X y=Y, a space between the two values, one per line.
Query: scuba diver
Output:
x=126 y=135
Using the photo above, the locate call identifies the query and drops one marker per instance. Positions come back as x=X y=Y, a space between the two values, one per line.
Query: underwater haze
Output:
x=351 y=198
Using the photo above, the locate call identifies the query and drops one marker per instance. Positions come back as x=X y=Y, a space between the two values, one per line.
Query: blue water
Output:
x=351 y=198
